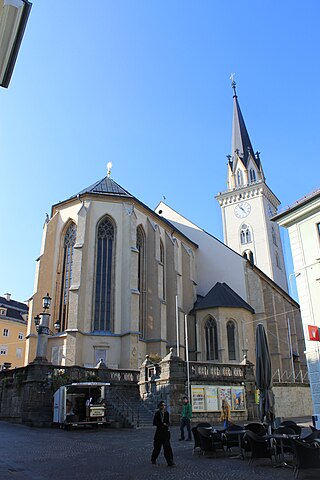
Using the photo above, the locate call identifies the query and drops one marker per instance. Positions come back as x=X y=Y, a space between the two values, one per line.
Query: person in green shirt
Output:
x=186 y=415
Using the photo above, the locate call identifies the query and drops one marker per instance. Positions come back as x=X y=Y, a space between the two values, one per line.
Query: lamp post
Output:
x=42 y=326
x=13 y=20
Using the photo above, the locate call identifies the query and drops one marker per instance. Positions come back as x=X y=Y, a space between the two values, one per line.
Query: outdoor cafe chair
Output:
x=210 y=440
x=205 y=439
x=195 y=434
x=256 y=427
x=311 y=437
x=284 y=444
x=287 y=423
x=232 y=436
x=196 y=439
x=296 y=428
x=259 y=446
x=307 y=457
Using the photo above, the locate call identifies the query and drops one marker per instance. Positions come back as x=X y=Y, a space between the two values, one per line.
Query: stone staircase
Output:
x=125 y=406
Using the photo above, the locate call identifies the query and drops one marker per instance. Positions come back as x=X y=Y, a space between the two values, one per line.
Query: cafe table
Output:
x=279 y=438
x=239 y=434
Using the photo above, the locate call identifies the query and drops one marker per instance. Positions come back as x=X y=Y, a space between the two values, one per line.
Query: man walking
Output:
x=186 y=415
x=162 y=436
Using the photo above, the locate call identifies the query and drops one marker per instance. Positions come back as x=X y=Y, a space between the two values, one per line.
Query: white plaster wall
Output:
x=214 y=261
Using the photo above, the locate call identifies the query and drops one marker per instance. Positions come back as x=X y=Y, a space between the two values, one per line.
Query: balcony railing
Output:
x=216 y=372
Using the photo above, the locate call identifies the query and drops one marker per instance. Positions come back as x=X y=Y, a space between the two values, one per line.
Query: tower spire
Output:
x=241 y=143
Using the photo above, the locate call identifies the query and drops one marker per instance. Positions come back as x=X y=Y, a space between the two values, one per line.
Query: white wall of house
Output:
x=303 y=223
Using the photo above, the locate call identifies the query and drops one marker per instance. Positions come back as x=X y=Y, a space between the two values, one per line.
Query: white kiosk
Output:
x=80 y=404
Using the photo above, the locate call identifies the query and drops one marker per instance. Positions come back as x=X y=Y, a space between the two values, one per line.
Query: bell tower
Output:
x=248 y=203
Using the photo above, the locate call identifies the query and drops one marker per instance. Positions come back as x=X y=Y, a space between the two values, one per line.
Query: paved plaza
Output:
x=90 y=454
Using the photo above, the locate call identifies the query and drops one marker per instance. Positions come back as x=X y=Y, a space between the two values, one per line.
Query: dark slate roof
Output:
x=106 y=186
x=221 y=295
x=14 y=309
x=240 y=137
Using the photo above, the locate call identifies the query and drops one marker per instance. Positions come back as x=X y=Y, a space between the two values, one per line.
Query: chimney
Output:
x=8 y=296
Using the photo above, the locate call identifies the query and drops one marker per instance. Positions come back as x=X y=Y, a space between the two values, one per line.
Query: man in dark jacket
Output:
x=162 y=436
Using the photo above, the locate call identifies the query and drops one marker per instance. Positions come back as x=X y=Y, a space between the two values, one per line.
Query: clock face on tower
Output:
x=242 y=210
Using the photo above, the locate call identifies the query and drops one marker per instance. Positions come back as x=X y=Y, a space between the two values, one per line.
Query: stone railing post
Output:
x=172 y=384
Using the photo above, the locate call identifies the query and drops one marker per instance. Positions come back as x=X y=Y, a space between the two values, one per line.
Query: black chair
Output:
x=313 y=428
x=196 y=439
x=311 y=437
x=218 y=439
x=296 y=428
x=205 y=438
x=257 y=428
x=196 y=435
x=231 y=436
x=287 y=423
x=286 y=443
x=259 y=446
x=307 y=457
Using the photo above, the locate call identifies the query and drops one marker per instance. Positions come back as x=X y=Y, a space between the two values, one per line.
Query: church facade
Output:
x=124 y=278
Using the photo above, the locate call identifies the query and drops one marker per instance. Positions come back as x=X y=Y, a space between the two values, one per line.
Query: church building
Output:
x=124 y=277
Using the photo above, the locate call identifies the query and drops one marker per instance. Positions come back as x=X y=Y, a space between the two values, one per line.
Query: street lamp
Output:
x=42 y=326
x=13 y=20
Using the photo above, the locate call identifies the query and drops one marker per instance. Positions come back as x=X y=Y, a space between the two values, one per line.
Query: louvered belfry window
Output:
x=104 y=284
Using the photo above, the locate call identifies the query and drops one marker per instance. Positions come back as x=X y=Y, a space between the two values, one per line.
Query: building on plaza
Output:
x=302 y=220
x=122 y=277
x=13 y=329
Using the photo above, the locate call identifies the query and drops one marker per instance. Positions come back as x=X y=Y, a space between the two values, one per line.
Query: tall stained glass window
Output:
x=104 y=284
x=231 y=340
x=211 y=336
x=141 y=247
x=67 y=261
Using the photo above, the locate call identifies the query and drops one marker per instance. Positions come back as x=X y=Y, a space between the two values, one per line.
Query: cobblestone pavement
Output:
x=90 y=454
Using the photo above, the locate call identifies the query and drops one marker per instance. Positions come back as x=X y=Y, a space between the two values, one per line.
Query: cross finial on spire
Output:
x=233 y=83
x=109 y=167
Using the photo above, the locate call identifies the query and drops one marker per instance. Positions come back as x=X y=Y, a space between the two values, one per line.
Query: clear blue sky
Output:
x=145 y=84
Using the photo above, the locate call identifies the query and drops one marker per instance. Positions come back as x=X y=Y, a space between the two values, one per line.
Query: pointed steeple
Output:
x=241 y=144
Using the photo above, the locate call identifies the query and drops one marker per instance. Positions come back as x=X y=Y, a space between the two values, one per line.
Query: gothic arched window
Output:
x=162 y=272
x=239 y=177
x=252 y=175
x=231 y=328
x=245 y=234
x=67 y=261
x=211 y=336
x=278 y=260
x=104 y=282
x=141 y=247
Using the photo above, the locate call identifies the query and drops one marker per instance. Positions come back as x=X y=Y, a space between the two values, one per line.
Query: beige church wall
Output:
x=171 y=283
x=272 y=308
x=153 y=311
x=44 y=284
x=214 y=261
x=292 y=400
x=245 y=338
